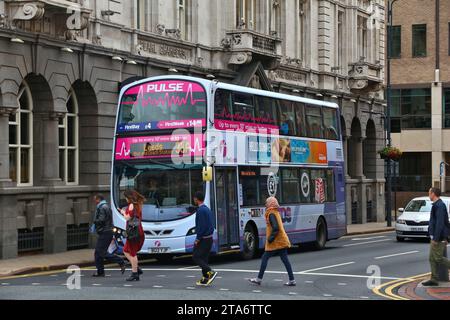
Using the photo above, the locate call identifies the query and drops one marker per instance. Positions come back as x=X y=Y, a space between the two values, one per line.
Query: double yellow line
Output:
x=387 y=289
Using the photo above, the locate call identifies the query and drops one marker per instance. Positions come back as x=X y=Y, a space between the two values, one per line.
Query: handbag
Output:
x=133 y=228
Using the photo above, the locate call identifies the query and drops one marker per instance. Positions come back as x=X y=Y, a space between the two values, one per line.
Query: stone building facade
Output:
x=421 y=95
x=62 y=63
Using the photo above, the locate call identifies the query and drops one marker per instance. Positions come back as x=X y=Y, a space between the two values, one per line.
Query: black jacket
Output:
x=103 y=219
x=439 y=224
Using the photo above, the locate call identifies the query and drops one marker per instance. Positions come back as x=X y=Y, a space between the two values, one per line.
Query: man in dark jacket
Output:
x=204 y=228
x=104 y=227
x=439 y=231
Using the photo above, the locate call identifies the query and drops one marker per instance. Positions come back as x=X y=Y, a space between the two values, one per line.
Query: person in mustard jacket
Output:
x=277 y=242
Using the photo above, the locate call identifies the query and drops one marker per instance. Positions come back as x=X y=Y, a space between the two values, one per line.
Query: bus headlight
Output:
x=191 y=232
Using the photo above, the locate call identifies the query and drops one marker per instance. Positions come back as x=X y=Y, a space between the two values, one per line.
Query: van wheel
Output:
x=250 y=243
x=321 y=235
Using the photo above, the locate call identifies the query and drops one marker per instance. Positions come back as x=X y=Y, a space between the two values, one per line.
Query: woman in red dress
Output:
x=135 y=202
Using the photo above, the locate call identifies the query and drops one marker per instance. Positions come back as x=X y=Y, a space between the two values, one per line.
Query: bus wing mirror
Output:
x=207 y=174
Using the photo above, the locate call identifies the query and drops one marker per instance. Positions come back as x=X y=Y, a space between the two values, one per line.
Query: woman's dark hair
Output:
x=199 y=196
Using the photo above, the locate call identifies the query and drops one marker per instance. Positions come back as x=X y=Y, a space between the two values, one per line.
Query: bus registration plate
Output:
x=159 y=250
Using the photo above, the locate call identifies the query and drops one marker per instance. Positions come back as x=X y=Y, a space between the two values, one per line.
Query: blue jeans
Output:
x=283 y=253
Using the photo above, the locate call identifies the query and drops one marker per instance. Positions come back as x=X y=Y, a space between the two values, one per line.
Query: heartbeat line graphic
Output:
x=168 y=99
x=123 y=151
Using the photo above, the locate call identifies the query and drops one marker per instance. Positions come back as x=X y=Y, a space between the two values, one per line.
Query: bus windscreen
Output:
x=163 y=105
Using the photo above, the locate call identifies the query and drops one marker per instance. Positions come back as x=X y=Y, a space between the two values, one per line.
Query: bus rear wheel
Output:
x=250 y=243
x=321 y=235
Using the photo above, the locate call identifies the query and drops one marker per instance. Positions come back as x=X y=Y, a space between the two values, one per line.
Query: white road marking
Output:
x=309 y=281
x=96 y=284
x=223 y=289
x=158 y=287
x=308 y=273
x=355 y=276
x=257 y=291
x=342 y=284
x=190 y=276
x=370 y=238
x=278 y=280
x=326 y=267
x=292 y=293
x=5 y=284
x=35 y=284
x=53 y=275
x=327 y=295
x=364 y=297
x=186 y=268
x=397 y=254
x=127 y=285
x=190 y=288
x=367 y=242
x=161 y=276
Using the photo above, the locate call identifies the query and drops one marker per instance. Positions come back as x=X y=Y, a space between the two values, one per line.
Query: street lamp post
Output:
x=388 y=114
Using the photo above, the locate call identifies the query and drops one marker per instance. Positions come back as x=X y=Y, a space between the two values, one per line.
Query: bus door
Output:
x=227 y=207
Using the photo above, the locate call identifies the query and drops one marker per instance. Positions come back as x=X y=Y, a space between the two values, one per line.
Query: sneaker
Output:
x=203 y=282
x=430 y=283
x=255 y=281
x=290 y=283
x=211 y=276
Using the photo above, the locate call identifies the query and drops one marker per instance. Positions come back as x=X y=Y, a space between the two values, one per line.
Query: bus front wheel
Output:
x=250 y=243
x=321 y=235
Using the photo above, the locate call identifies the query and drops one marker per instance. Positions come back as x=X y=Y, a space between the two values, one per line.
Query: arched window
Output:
x=68 y=142
x=21 y=139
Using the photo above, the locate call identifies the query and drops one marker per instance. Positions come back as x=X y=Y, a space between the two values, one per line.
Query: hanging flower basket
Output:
x=391 y=153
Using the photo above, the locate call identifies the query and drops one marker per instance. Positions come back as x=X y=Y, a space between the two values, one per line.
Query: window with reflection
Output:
x=330 y=122
x=68 y=142
x=21 y=139
x=314 y=126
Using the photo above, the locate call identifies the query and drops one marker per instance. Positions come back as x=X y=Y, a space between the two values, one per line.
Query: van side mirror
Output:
x=401 y=210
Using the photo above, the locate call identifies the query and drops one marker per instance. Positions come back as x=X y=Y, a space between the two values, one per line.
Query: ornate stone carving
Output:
x=7 y=111
x=173 y=33
x=97 y=40
x=240 y=58
x=160 y=28
x=145 y=47
x=293 y=61
x=229 y=41
x=29 y=11
x=4 y=22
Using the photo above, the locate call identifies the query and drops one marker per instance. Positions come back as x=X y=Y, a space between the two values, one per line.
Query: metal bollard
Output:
x=442 y=269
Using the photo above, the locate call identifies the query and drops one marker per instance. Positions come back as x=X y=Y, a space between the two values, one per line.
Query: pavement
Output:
x=46 y=262
x=361 y=267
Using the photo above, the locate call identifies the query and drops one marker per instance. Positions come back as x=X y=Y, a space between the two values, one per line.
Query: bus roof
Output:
x=233 y=87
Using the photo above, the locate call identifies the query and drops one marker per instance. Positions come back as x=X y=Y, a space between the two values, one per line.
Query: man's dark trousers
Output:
x=101 y=252
x=201 y=254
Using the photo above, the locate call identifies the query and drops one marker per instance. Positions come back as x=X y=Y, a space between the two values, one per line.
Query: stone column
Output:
x=46 y=151
x=359 y=160
x=345 y=140
x=5 y=180
x=46 y=173
x=8 y=202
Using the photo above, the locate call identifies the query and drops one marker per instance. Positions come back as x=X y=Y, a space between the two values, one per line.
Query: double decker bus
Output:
x=176 y=135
